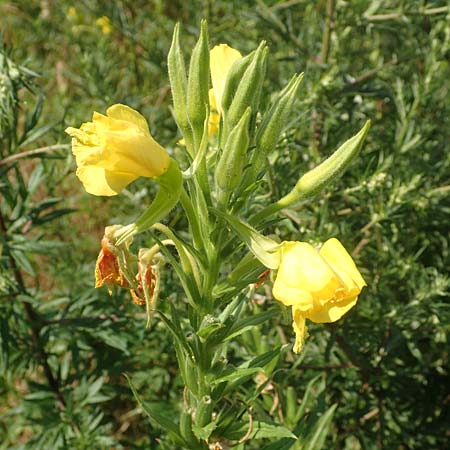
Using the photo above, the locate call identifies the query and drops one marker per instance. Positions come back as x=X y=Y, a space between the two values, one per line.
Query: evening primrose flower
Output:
x=221 y=58
x=319 y=285
x=105 y=24
x=114 y=150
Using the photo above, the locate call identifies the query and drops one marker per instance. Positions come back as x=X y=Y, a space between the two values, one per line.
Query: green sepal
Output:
x=198 y=85
x=264 y=248
x=170 y=183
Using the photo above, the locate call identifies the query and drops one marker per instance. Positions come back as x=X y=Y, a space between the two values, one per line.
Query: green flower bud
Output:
x=198 y=84
x=178 y=84
x=274 y=122
x=234 y=77
x=247 y=90
x=325 y=173
x=231 y=163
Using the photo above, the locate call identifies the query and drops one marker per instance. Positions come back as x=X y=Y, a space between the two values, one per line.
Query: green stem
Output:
x=192 y=218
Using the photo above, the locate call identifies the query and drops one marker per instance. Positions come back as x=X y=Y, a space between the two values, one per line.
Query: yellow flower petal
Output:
x=342 y=263
x=98 y=181
x=221 y=58
x=301 y=271
x=113 y=150
x=299 y=326
x=127 y=114
x=331 y=311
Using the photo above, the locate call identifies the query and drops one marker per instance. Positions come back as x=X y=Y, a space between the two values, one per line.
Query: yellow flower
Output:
x=319 y=285
x=105 y=24
x=72 y=13
x=221 y=58
x=114 y=150
x=323 y=285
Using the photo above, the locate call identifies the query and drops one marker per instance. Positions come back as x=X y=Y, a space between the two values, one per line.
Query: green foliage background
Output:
x=385 y=364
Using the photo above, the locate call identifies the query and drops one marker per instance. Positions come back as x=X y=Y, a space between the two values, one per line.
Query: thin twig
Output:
x=36 y=151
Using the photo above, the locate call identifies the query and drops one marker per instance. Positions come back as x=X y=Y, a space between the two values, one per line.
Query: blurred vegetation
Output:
x=64 y=345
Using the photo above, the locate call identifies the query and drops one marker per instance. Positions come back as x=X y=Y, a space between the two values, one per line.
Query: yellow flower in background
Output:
x=319 y=285
x=322 y=284
x=114 y=150
x=105 y=24
x=221 y=58
x=72 y=13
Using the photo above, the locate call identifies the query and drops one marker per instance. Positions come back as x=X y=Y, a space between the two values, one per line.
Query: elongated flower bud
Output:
x=325 y=173
x=198 y=83
x=247 y=89
x=234 y=76
x=178 y=85
x=274 y=122
x=231 y=163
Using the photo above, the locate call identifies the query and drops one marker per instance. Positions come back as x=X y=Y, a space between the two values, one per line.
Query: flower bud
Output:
x=221 y=60
x=198 y=84
x=178 y=85
x=247 y=90
x=234 y=76
x=274 y=122
x=325 y=173
x=231 y=163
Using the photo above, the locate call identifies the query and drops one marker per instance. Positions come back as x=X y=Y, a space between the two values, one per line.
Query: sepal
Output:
x=171 y=183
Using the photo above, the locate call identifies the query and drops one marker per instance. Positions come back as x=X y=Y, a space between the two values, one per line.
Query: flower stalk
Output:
x=221 y=259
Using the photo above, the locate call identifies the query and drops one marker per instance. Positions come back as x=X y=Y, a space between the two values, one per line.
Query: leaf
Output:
x=178 y=334
x=306 y=398
x=153 y=411
x=23 y=262
x=111 y=339
x=282 y=444
x=259 y=430
x=236 y=373
x=248 y=323
x=203 y=433
x=265 y=358
x=316 y=438
x=36 y=178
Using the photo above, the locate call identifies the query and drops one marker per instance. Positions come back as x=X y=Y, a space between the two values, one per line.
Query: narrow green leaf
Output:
x=316 y=439
x=153 y=411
